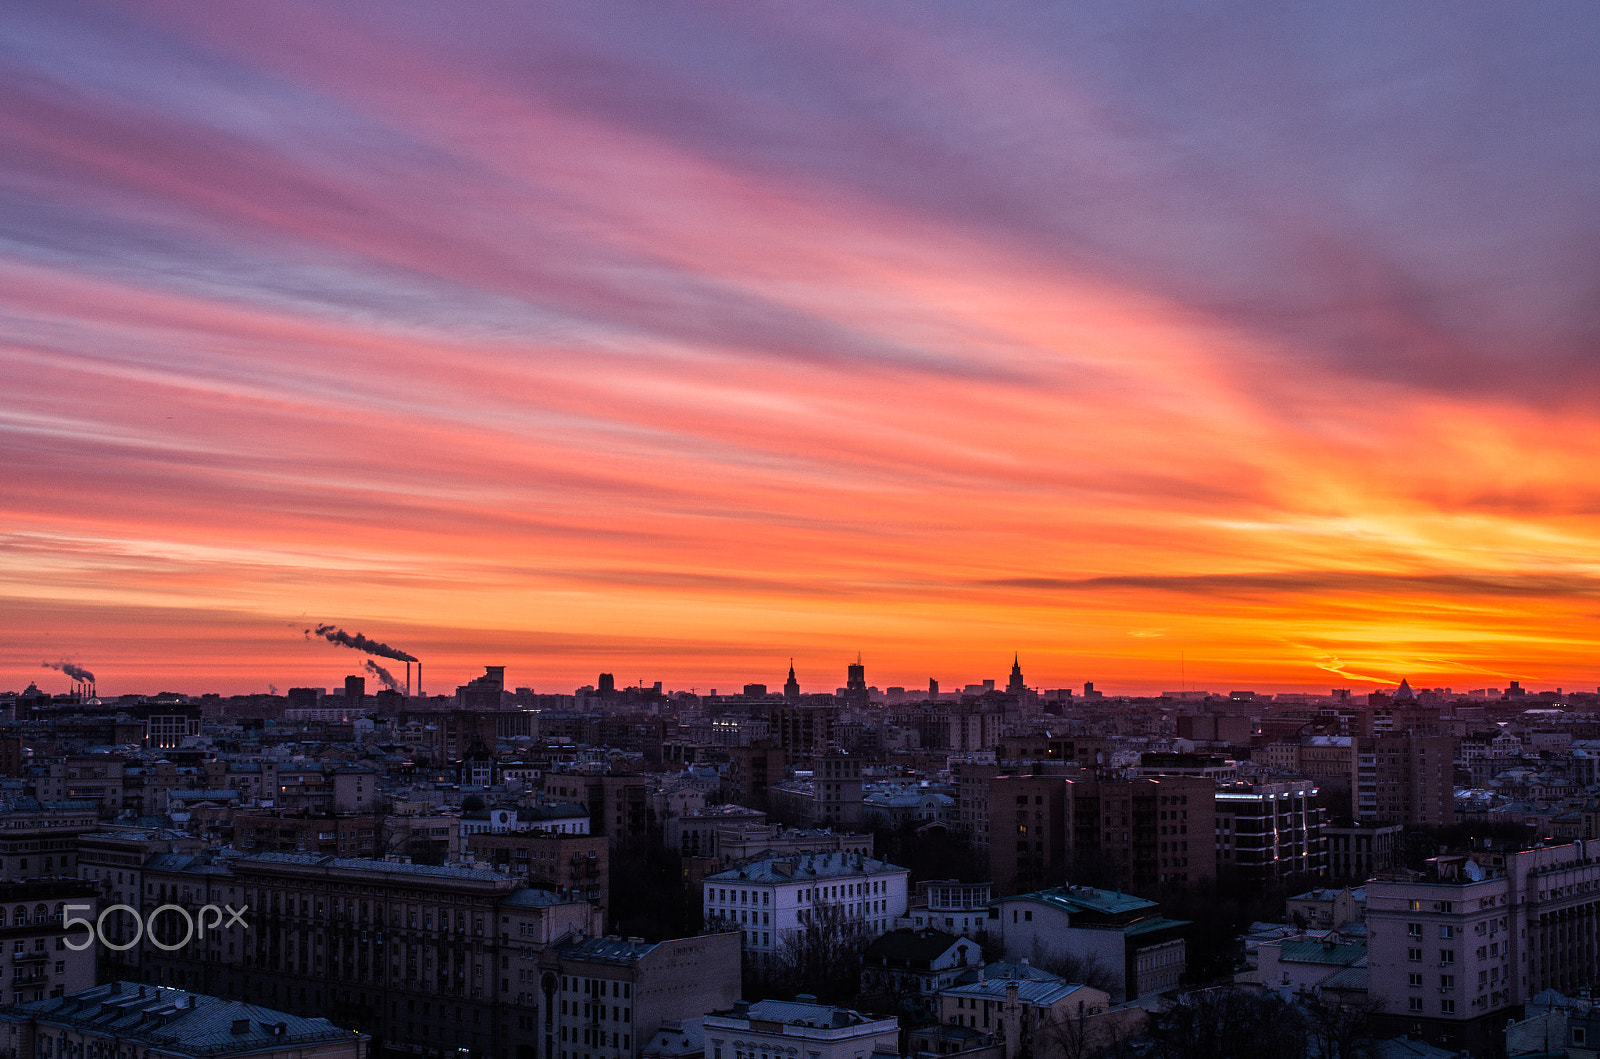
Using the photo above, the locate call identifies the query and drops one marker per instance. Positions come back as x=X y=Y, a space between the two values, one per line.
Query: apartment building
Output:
x=770 y=901
x=35 y=960
x=1455 y=951
x=1358 y=851
x=1126 y=936
x=1154 y=831
x=1406 y=778
x=606 y=997
x=1270 y=831
x=578 y=866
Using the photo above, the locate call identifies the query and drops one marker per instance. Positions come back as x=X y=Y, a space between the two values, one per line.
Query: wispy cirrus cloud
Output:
x=754 y=331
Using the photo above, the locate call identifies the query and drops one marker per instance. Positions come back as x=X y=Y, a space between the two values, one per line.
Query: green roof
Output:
x=1341 y=955
x=1087 y=899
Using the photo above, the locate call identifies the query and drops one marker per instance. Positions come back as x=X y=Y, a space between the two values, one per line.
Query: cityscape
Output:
x=848 y=530
x=990 y=871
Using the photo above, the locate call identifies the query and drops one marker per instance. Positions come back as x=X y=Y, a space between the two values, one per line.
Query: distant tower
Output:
x=791 y=687
x=355 y=689
x=855 y=685
x=933 y=688
x=857 y=679
x=608 y=684
x=1015 y=686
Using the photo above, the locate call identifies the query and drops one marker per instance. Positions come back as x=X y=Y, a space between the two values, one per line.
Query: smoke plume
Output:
x=383 y=674
x=75 y=672
x=334 y=634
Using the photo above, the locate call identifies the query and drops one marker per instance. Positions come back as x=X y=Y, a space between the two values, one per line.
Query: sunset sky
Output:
x=1229 y=345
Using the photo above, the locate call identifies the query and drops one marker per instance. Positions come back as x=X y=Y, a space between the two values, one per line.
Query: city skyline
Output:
x=1227 y=349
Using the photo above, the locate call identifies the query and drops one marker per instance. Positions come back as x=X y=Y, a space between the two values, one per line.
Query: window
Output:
x=1414 y=955
x=1447 y=1007
x=1447 y=931
x=1413 y=930
x=1414 y=905
x=1447 y=956
x=1414 y=979
x=1416 y=1003
x=1447 y=981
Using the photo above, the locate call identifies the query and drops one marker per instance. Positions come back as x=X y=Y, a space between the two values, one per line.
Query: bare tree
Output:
x=1063 y=1036
x=1226 y=1023
x=822 y=957
x=1339 y=1029
x=1085 y=969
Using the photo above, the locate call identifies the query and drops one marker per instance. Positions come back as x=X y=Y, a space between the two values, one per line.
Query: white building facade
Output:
x=774 y=899
x=776 y=1029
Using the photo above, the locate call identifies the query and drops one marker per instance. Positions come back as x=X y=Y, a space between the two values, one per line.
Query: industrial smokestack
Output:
x=408 y=680
x=419 y=679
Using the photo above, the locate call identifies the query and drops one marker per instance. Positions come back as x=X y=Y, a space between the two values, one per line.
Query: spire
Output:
x=791 y=669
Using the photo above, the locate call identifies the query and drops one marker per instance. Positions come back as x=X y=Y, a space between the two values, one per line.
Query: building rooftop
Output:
x=913 y=948
x=1081 y=899
x=800 y=1013
x=534 y=897
x=606 y=950
x=1029 y=991
x=805 y=866
x=178 y=1022
x=311 y=860
x=1326 y=951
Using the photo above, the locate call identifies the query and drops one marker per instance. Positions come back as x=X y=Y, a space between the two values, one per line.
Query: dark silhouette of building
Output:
x=855 y=685
x=355 y=689
x=1015 y=685
x=483 y=693
x=791 y=687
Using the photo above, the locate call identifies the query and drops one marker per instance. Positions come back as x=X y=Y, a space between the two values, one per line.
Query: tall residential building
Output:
x=1358 y=851
x=803 y=731
x=1151 y=832
x=974 y=727
x=604 y=998
x=1270 y=831
x=791 y=687
x=1027 y=831
x=837 y=783
x=1405 y=777
x=1454 y=952
x=751 y=770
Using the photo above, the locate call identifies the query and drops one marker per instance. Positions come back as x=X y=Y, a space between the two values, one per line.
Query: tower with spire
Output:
x=1015 y=686
x=791 y=687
